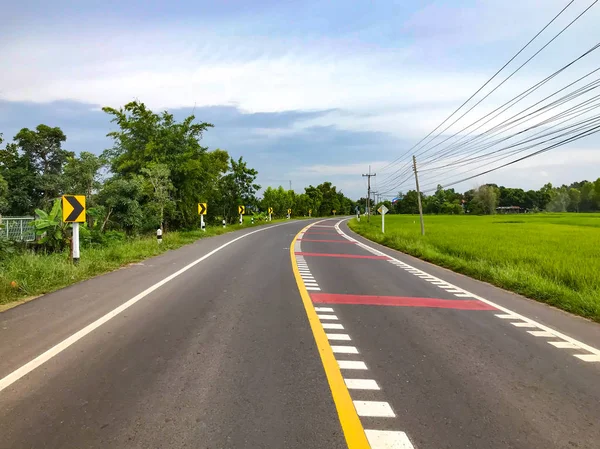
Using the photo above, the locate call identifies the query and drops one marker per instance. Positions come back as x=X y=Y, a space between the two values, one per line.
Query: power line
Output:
x=483 y=86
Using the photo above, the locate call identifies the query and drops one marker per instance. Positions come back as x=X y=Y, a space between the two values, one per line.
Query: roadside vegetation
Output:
x=549 y=257
x=153 y=176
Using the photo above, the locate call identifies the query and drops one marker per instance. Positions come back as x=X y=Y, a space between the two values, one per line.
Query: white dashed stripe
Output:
x=523 y=324
x=588 y=357
x=541 y=333
x=323 y=309
x=352 y=364
x=563 y=345
x=332 y=326
x=327 y=317
x=374 y=409
x=340 y=337
x=344 y=350
x=313 y=289
x=361 y=384
x=388 y=439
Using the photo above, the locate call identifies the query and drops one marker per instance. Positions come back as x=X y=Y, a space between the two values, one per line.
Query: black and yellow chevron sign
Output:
x=270 y=210
x=73 y=208
x=289 y=211
x=202 y=208
x=241 y=210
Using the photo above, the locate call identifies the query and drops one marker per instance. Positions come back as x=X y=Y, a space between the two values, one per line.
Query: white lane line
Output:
x=332 y=326
x=588 y=357
x=388 y=439
x=352 y=364
x=523 y=324
x=463 y=295
x=361 y=384
x=374 y=409
x=506 y=316
x=313 y=289
x=327 y=317
x=563 y=345
x=344 y=337
x=344 y=350
x=323 y=309
x=506 y=310
x=57 y=349
x=541 y=334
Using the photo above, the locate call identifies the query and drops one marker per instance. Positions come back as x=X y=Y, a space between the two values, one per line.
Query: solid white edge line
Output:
x=555 y=333
x=58 y=348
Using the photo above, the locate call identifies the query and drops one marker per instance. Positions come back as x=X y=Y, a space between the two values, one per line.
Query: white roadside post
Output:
x=383 y=210
x=158 y=236
x=224 y=223
x=75 y=243
x=202 y=223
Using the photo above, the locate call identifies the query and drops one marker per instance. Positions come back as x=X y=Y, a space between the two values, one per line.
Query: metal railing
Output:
x=18 y=229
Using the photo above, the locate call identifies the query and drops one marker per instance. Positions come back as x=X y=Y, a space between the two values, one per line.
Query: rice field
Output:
x=553 y=258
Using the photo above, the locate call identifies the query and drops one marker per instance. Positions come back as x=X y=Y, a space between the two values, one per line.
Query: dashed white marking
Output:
x=588 y=357
x=344 y=337
x=374 y=409
x=311 y=284
x=361 y=384
x=563 y=345
x=313 y=289
x=323 y=309
x=332 y=326
x=541 y=333
x=523 y=324
x=344 y=350
x=327 y=317
x=545 y=331
x=463 y=295
x=388 y=439
x=352 y=364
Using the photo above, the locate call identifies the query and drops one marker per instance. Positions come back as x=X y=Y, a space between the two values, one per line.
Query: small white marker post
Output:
x=270 y=216
x=224 y=223
x=202 y=226
x=241 y=218
x=75 y=243
x=383 y=210
x=159 y=236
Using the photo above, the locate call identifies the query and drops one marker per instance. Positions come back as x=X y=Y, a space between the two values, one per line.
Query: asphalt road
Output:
x=235 y=351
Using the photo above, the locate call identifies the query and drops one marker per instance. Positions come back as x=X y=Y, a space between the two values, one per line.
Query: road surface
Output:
x=301 y=335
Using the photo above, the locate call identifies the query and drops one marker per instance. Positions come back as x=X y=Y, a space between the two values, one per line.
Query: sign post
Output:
x=270 y=213
x=202 y=212
x=334 y=211
x=309 y=213
x=357 y=210
x=289 y=213
x=383 y=210
x=241 y=211
x=73 y=211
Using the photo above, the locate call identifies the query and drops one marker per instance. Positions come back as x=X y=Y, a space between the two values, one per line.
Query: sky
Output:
x=305 y=91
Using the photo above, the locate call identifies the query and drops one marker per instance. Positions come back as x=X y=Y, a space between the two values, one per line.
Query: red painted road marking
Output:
x=347 y=256
x=321 y=233
x=328 y=241
x=401 y=301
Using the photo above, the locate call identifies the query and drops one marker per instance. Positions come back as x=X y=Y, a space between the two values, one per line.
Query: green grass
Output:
x=36 y=274
x=553 y=258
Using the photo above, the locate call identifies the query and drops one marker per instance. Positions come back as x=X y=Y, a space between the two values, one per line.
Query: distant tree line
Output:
x=154 y=175
x=582 y=196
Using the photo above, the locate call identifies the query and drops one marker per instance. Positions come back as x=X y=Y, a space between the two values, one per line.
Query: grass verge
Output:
x=552 y=258
x=28 y=274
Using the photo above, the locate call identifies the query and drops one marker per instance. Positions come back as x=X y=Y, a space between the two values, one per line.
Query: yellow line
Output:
x=351 y=425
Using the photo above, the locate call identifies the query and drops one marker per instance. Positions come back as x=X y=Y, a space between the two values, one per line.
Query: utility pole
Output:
x=369 y=175
x=290 y=184
x=419 y=195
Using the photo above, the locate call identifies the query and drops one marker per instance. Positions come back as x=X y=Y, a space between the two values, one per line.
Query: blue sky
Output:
x=305 y=91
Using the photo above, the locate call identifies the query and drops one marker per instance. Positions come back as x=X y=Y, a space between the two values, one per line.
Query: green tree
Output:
x=22 y=181
x=574 y=200
x=43 y=149
x=82 y=175
x=3 y=195
x=485 y=200
x=238 y=188
x=120 y=199
x=158 y=180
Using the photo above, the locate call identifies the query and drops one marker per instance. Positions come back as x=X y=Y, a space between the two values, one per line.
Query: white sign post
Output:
x=75 y=243
x=383 y=210
x=202 y=223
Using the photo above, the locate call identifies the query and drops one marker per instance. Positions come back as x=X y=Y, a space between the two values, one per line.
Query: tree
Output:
x=485 y=200
x=43 y=149
x=3 y=195
x=237 y=187
x=82 y=175
x=574 y=200
x=21 y=179
x=559 y=202
x=120 y=199
x=158 y=178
